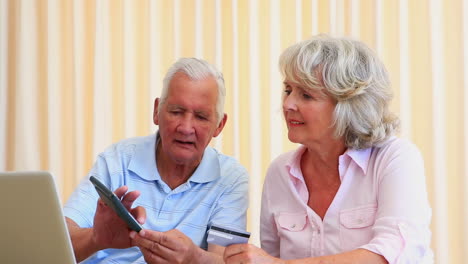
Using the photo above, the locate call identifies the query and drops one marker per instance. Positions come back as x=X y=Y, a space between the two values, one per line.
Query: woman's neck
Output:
x=322 y=159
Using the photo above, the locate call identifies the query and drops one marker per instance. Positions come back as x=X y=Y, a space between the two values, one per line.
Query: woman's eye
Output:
x=307 y=96
x=287 y=91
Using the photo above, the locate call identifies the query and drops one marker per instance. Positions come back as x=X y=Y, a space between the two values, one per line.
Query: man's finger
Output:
x=121 y=191
x=144 y=242
x=158 y=237
x=139 y=213
x=174 y=239
x=164 y=253
x=234 y=250
x=147 y=238
x=141 y=241
x=129 y=198
x=152 y=257
x=102 y=206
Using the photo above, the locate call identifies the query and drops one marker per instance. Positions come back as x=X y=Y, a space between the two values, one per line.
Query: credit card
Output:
x=223 y=236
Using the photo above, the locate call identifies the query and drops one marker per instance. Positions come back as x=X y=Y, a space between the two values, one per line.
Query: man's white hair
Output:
x=196 y=69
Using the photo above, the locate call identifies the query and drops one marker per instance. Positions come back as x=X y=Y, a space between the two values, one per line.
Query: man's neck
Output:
x=171 y=173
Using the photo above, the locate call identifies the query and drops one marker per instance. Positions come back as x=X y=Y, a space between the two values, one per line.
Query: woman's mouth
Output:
x=295 y=123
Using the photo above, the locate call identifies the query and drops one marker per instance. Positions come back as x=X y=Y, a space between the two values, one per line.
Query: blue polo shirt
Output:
x=217 y=192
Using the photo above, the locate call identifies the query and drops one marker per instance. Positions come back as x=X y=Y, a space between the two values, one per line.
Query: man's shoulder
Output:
x=229 y=165
x=128 y=145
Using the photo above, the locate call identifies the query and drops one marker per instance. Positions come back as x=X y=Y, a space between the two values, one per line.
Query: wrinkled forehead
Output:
x=192 y=95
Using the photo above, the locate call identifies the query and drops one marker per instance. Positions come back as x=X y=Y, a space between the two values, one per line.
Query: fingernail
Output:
x=142 y=233
x=132 y=234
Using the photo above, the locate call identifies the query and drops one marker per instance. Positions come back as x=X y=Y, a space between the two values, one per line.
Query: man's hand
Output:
x=109 y=230
x=248 y=253
x=165 y=247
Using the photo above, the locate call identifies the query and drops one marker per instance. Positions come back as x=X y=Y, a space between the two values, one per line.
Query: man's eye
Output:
x=202 y=117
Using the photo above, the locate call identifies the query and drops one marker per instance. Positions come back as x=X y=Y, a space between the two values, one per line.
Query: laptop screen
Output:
x=32 y=226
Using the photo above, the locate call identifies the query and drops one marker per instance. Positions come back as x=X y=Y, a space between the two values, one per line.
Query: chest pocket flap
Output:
x=292 y=221
x=358 y=217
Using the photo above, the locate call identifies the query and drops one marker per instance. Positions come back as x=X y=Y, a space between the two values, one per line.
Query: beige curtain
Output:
x=76 y=76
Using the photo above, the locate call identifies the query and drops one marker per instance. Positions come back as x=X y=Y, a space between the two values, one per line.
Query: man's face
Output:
x=187 y=119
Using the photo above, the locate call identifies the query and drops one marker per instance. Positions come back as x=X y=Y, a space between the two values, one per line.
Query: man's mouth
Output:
x=183 y=142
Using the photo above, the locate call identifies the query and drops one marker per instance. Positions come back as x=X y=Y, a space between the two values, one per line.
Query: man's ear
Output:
x=220 y=126
x=155 y=112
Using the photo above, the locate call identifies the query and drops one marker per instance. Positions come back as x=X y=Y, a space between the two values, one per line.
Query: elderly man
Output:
x=181 y=183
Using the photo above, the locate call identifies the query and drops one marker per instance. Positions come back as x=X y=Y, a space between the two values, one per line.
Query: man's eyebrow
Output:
x=175 y=107
x=179 y=107
x=203 y=113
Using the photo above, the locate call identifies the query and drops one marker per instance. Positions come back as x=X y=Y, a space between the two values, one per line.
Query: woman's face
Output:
x=308 y=114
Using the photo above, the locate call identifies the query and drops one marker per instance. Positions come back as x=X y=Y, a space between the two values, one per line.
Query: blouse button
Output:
x=293 y=226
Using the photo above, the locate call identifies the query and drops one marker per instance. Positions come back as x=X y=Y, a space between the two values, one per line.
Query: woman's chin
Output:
x=293 y=139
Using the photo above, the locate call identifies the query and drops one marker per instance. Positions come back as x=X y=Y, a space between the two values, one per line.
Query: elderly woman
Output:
x=352 y=192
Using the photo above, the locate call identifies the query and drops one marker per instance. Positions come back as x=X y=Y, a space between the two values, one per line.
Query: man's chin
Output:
x=184 y=157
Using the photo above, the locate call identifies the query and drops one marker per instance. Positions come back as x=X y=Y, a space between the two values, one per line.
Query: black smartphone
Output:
x=111 y=200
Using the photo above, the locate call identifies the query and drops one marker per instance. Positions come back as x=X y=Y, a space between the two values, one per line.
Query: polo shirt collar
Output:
x=208 y=169
x=144 y=160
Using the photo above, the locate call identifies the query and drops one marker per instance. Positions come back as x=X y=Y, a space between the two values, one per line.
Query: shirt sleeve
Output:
x=401 y=229
x=270 y=241
x=231 y=207
x=81 y=206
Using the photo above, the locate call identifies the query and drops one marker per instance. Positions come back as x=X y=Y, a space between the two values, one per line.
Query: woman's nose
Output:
x=289 y=103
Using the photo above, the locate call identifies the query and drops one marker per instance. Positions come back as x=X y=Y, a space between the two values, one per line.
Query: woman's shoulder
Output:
x=284 y=162
x=400 y=150
x=287 y=157
x=398 y=145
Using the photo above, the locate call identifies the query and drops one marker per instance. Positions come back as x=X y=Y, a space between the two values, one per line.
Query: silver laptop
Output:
x=32 y=226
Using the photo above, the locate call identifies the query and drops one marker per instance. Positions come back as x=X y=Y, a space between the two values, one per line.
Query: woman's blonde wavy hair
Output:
x=353 y=75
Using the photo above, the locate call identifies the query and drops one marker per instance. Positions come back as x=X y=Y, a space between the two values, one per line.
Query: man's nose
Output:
x=186 y=126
